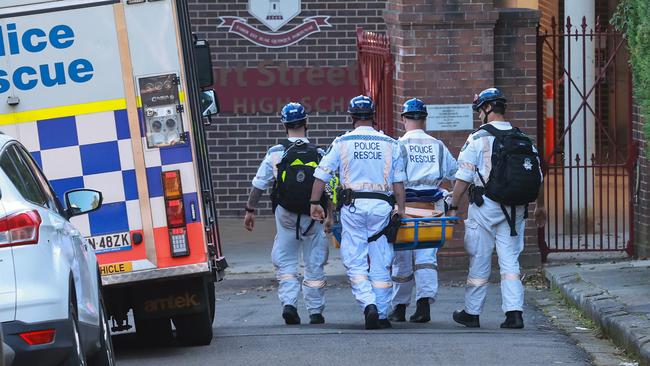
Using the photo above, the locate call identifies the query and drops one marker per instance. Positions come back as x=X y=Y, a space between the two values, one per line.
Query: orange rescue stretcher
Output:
x=424 y=232
x=416 y=233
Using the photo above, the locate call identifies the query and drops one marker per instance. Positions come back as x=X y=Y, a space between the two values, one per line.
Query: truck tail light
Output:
x=20 y=228
x=175 y=213
x=38 y=337
x=175 y=210
x=172 y=184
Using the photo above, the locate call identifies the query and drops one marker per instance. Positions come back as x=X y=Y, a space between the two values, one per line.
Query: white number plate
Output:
x=111 y=242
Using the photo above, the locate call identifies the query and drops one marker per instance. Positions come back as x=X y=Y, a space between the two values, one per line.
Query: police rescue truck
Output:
x=109 y=95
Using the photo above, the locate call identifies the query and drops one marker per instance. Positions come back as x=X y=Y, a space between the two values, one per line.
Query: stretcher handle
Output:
x=416 y=224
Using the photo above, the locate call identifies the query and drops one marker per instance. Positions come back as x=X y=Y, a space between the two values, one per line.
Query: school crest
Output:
x=274 y=14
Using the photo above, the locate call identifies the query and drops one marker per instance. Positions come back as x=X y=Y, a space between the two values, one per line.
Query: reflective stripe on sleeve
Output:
x=468 y=166
x=355 y=280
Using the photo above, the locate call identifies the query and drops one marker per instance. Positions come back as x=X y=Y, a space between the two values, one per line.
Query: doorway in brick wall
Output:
x=376 y=75
x=585 y=137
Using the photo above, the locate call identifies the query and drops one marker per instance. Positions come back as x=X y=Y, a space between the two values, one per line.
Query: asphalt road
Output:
x=249 y=331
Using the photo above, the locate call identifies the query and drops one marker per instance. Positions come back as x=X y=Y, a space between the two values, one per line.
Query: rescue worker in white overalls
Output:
x=427 y=163
x=288 y=167
x=371 y=173
x=500 y=166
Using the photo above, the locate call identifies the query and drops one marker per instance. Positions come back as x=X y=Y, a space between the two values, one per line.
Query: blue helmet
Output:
x=293 y=112
x=414 y=109
x=492 y=96
x=361 y=107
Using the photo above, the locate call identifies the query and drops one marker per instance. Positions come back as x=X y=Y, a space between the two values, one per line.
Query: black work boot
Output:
x=468 y=320
x=372 y=316
x=384 y=323
x=316 y=319
x=422 y=312
x=514 y=320
x=398 y=314
x=290 y=315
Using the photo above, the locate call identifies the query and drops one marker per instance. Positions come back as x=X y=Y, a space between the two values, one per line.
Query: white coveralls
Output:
x=427 y=162
x=287 y=249
x=366 y=161
x=487 y=227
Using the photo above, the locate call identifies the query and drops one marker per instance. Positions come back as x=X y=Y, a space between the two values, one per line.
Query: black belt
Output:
x=376 y=196
x=390 y=230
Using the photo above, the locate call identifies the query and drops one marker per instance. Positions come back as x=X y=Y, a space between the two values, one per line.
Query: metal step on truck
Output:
x=112 y=95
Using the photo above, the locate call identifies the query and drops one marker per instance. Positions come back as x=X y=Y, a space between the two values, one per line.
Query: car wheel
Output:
x=196 y=329
x=77 y=356
x=105 y=356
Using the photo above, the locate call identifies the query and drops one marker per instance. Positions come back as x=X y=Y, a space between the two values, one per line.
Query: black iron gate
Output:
x=585 y=137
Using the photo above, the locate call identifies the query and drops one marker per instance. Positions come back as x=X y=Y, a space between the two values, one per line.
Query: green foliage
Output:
x=632 y=17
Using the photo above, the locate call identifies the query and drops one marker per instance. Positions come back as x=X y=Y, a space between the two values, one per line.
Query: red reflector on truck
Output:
x=175 y=213
x=38 y=337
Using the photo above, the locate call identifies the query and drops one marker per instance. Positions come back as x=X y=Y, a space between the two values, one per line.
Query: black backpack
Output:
x=515 y=178
x=293 y=185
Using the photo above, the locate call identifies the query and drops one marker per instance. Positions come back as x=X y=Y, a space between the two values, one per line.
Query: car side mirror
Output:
x=209 y=103
x=82 y=201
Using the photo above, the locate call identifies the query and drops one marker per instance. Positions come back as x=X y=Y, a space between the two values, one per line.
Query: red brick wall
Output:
x=641 y=195
x=548 y=9
x=515 y=72
x=239 y=141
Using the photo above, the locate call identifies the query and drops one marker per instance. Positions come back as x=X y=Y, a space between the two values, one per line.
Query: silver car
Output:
x=51 y=306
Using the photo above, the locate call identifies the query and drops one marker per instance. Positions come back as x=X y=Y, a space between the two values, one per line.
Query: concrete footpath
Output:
x=249 y=253
x=615 y=295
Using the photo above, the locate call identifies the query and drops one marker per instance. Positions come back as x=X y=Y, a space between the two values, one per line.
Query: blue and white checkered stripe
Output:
x=94 y=151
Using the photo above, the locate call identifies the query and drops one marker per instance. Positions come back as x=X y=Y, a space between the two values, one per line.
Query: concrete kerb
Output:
x=627 y=330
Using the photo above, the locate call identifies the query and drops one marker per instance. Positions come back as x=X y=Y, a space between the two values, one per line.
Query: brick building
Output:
x=443 y=51
x=254 y=82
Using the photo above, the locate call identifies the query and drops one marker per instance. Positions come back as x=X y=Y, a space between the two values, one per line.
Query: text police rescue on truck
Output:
x=14 y=41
